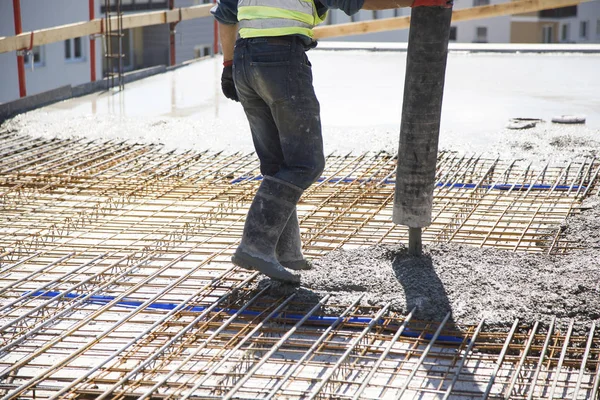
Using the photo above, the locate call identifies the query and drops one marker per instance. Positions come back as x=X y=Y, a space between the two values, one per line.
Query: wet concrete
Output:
x=471 y=283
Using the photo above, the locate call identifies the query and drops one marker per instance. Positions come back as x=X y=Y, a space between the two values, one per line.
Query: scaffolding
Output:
x=113 y=43
x=116 y=280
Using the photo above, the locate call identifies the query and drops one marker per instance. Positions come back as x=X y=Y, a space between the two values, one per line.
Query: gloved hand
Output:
x=227 y=85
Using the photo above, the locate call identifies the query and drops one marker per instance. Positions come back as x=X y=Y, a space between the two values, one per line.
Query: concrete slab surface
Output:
x=361 y=98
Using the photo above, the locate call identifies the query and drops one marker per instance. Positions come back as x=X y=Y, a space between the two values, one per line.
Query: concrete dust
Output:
x=548 y=141
x=584 y=228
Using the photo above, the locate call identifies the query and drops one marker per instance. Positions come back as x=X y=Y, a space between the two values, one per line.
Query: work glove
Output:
x=227 y=85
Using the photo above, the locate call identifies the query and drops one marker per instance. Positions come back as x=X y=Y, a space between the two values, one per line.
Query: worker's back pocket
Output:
x=271 y=80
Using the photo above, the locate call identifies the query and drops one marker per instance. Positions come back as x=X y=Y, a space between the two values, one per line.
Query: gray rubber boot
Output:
x=289 y=247
x=269 y=212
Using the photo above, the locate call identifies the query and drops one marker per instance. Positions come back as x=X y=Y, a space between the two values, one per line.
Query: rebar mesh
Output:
x=115 y=279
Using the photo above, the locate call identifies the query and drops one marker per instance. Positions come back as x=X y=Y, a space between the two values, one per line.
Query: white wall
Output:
x=589 y=12
x=55 y=70
x=339 y=17
x=192 y=33
x=498 y=28
x=9 y=85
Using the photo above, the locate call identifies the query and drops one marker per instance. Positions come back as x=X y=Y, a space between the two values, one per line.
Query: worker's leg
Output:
x=275 y=199
x=269 y=212
x=280 y=73
x=289 y=246
x=265 y=135
x=276 y=72
x=287 y=137
x=299 y=123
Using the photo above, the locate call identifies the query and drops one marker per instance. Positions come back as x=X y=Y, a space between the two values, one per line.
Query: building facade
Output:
x=68 y=63
x=51 y=65
x=576 y=24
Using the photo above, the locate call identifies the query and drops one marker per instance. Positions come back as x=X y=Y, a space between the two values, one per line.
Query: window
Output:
x=583 y=29
x=564 y=33
x=74 y=49
x=77 y=46
x=562 y=12
x=453 y=32
x=36 y=55
x=547 y=34
x=480 y=3
x=598 y=27
x=481 y=34
x=202 y=50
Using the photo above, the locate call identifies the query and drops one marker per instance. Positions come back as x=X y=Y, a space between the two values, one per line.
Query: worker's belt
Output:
x=282 y=40
x=285 y=40
x=432 y=3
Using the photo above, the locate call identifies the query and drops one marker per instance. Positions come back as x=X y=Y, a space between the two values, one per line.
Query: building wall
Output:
x=339 y=17
x=588 y=12
x=193 y=37
x=54 y=70
x=529 y=28
x=532 y=32
x=156 y=45
x=497 y=28
x=138 y=47
x=9 y=84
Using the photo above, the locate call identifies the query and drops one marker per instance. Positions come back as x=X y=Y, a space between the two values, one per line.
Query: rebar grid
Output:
x=115 y=279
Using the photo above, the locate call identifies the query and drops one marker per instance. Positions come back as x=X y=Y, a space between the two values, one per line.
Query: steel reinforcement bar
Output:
x=115 y=279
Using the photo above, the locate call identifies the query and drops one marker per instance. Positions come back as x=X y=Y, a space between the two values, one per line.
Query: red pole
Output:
x=172 y=34
x=215 y=35
x=20 y=58
x=92 y=46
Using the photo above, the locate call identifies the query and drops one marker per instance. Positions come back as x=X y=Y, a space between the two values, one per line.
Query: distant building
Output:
x=68 y=62
x=335 y=17
x=57 y=64
x=575 y=24
x=51 y=65
x=148 y=46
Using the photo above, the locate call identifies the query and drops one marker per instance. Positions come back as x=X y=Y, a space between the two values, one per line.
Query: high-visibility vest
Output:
x=258 y=18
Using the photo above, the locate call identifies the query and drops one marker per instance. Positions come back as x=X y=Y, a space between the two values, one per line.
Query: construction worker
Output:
x=266 y=69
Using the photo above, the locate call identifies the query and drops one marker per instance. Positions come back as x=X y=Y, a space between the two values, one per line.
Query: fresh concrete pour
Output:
x=497 y=285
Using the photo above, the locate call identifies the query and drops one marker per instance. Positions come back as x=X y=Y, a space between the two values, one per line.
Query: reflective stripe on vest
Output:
x=259 y=18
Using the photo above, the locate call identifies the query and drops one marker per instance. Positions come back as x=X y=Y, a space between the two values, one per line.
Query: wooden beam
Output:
x=64 y=32
x=60 y=33
x=466 y=14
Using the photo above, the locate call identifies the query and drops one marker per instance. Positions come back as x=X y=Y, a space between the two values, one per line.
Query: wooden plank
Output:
x=466 y=14
x=78 y=29
x=196 y=11
x=57 y=34
x=49 y=35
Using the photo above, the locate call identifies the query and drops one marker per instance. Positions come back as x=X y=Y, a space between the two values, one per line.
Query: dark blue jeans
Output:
x=273 y=78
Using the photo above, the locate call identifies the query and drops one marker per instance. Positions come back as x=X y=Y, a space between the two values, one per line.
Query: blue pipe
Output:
x=102 y=300
x=499 y=186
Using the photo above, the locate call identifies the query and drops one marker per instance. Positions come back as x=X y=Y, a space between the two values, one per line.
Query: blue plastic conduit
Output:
x=499 y=186
x=169 y=306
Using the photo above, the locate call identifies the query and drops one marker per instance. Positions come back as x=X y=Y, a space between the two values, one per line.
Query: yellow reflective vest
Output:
x=259 y=18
